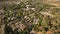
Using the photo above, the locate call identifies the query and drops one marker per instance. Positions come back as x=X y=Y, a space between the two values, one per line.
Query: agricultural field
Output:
x=30 y=16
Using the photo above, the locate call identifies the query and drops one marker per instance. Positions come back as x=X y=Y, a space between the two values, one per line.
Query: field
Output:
x=30 y=16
